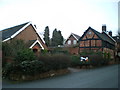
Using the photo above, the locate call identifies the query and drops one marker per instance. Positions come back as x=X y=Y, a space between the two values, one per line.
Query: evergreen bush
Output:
x=25 y=55
x=55 y=62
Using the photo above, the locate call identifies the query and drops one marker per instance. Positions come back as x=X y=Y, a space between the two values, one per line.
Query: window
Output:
x=74 y=42
x=89 y=32
x=69 y=42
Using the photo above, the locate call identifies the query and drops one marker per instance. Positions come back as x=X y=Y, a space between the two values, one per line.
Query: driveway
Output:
x=104 y=77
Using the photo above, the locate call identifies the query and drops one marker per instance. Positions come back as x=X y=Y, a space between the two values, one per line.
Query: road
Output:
x=104 y=77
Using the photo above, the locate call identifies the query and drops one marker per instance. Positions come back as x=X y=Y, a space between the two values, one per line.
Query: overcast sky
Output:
x=69 y=16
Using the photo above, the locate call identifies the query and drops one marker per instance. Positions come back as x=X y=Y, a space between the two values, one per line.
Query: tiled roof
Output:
x=103 y=36
x=117 y=38
x=30 y=42
x=77 y=36
x=7 y=33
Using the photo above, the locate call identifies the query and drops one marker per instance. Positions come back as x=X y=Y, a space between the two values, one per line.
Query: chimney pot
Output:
x=104 y=28
x=110 y=33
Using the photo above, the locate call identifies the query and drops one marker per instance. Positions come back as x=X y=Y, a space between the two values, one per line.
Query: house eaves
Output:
x=37 y=41
x=15 y=33
x=18 y=30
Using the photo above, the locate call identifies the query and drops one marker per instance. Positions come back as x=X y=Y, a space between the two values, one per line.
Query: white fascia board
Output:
x=41 y=38
x=37 y=41
x=6 y=40
x=67 y=38
x=20 y=30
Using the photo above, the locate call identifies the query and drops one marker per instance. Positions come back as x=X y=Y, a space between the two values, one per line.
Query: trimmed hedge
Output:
x=98 y=60
x=45 y=63
x=75 y=61
x=55 y=62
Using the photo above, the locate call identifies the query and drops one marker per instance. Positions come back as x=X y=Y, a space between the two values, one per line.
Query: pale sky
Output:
x=69 y=16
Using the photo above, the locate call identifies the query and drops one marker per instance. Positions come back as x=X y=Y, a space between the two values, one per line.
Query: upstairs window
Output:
x=74 y=42
x=69 y=42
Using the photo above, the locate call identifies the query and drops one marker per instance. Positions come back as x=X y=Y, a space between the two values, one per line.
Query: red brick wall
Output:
x=29 y=34
x=70 y=38
x=107 y=50
x=72 y=50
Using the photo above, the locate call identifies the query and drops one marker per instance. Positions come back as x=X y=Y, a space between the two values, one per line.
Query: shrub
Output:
x=25 y=55
x=98 y=60
x=75 y=61
x=55 y=62
x=59 y=51
x=31 y=67
x=23 y=68
x=44 y=51
x=11 y=49
x=6 y=70
x=10 y=68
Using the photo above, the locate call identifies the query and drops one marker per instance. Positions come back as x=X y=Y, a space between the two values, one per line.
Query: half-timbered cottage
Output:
x=26 y=32
x=96 y=41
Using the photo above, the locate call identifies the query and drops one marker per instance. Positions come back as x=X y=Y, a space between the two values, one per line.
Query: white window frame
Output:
x=69 y=42
x=74 y=42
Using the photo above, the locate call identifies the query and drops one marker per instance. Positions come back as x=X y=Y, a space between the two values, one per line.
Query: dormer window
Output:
x=69 y=42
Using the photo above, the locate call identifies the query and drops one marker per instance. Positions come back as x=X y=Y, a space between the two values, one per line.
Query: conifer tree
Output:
x=46 y=36
x=57 y=38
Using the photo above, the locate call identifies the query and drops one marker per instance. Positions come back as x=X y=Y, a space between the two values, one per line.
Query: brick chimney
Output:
x=104 y=28
x=110 y=33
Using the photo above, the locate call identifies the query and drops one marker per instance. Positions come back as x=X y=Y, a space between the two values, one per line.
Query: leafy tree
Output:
x=17 y=51
x=46 y=36
x=11 y=49
x=57 y=38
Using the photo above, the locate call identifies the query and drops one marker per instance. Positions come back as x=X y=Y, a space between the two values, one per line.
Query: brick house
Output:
x=26 y=32
x=96 y=41
x=72 y=40
x=71 y=43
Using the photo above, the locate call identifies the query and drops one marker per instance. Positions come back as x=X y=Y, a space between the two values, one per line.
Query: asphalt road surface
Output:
x=104 y=77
